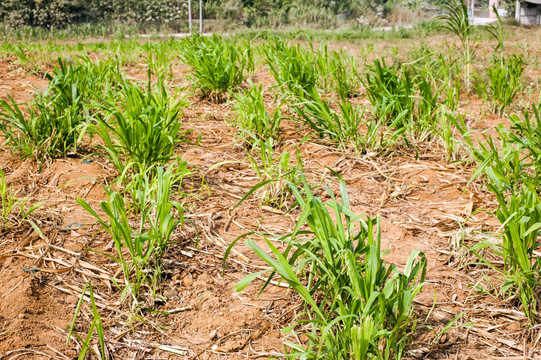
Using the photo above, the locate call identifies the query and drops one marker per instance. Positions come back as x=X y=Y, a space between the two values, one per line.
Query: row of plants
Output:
x=509 y=164
x=366 y=309
x=507 y=160
x=139 y=128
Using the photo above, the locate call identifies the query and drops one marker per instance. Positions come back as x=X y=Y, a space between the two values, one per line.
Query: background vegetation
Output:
x=273 y=13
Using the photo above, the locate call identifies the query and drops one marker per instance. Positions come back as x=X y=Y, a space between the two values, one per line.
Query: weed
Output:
x=504 y=79
x=520 y=216
x=294 y=68
x=338 y=72
x=97 y=326
x=275 y=171
x=385 y=84
x=457 y=21
x=58 y=117
x=350 y=128
x=342 y=127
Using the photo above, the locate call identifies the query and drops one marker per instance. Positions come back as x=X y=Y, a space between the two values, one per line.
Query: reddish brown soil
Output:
x=424 y=203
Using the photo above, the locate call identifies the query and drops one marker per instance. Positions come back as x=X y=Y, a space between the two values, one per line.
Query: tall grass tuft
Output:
x=253 y=115
x=13 y=209
x=386 y=84
x=294 y=67
x=143 y=130
x=457 y=21
x=337 y=72
x=512 y=166
x=139 y=250
x=58 y=117
x=219 y=65
x=355 y=306
x=275 y=170
x=504 y=82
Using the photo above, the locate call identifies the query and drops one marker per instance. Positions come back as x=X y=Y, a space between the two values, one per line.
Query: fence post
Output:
x=190 y=14
x=201 y=16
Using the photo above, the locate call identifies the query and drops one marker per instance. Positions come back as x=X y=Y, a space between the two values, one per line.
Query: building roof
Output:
x=534 y=1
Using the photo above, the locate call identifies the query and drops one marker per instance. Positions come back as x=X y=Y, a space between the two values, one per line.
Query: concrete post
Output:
x=201 y=16
x=190 y=14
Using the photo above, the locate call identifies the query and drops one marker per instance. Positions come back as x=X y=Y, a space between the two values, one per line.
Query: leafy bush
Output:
x=16 y=13
x=60 y=13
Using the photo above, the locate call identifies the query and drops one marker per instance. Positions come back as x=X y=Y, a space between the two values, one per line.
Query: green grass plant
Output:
x=253 y=116
x=349 y=127
x=219 y=65
x=140 y=248
x=96 y=326
x=294 y=67
x=338 y=72
x=275 y=170
x=355 y=306
x=510 y=164
x=457 y=21
x=504 y=82
x=520 y=216
x=142 y=130
x=13 y=209
x=387 y=84
x=57 y=118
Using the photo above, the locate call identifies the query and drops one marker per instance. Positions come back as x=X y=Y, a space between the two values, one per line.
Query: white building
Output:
x=528 y=13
